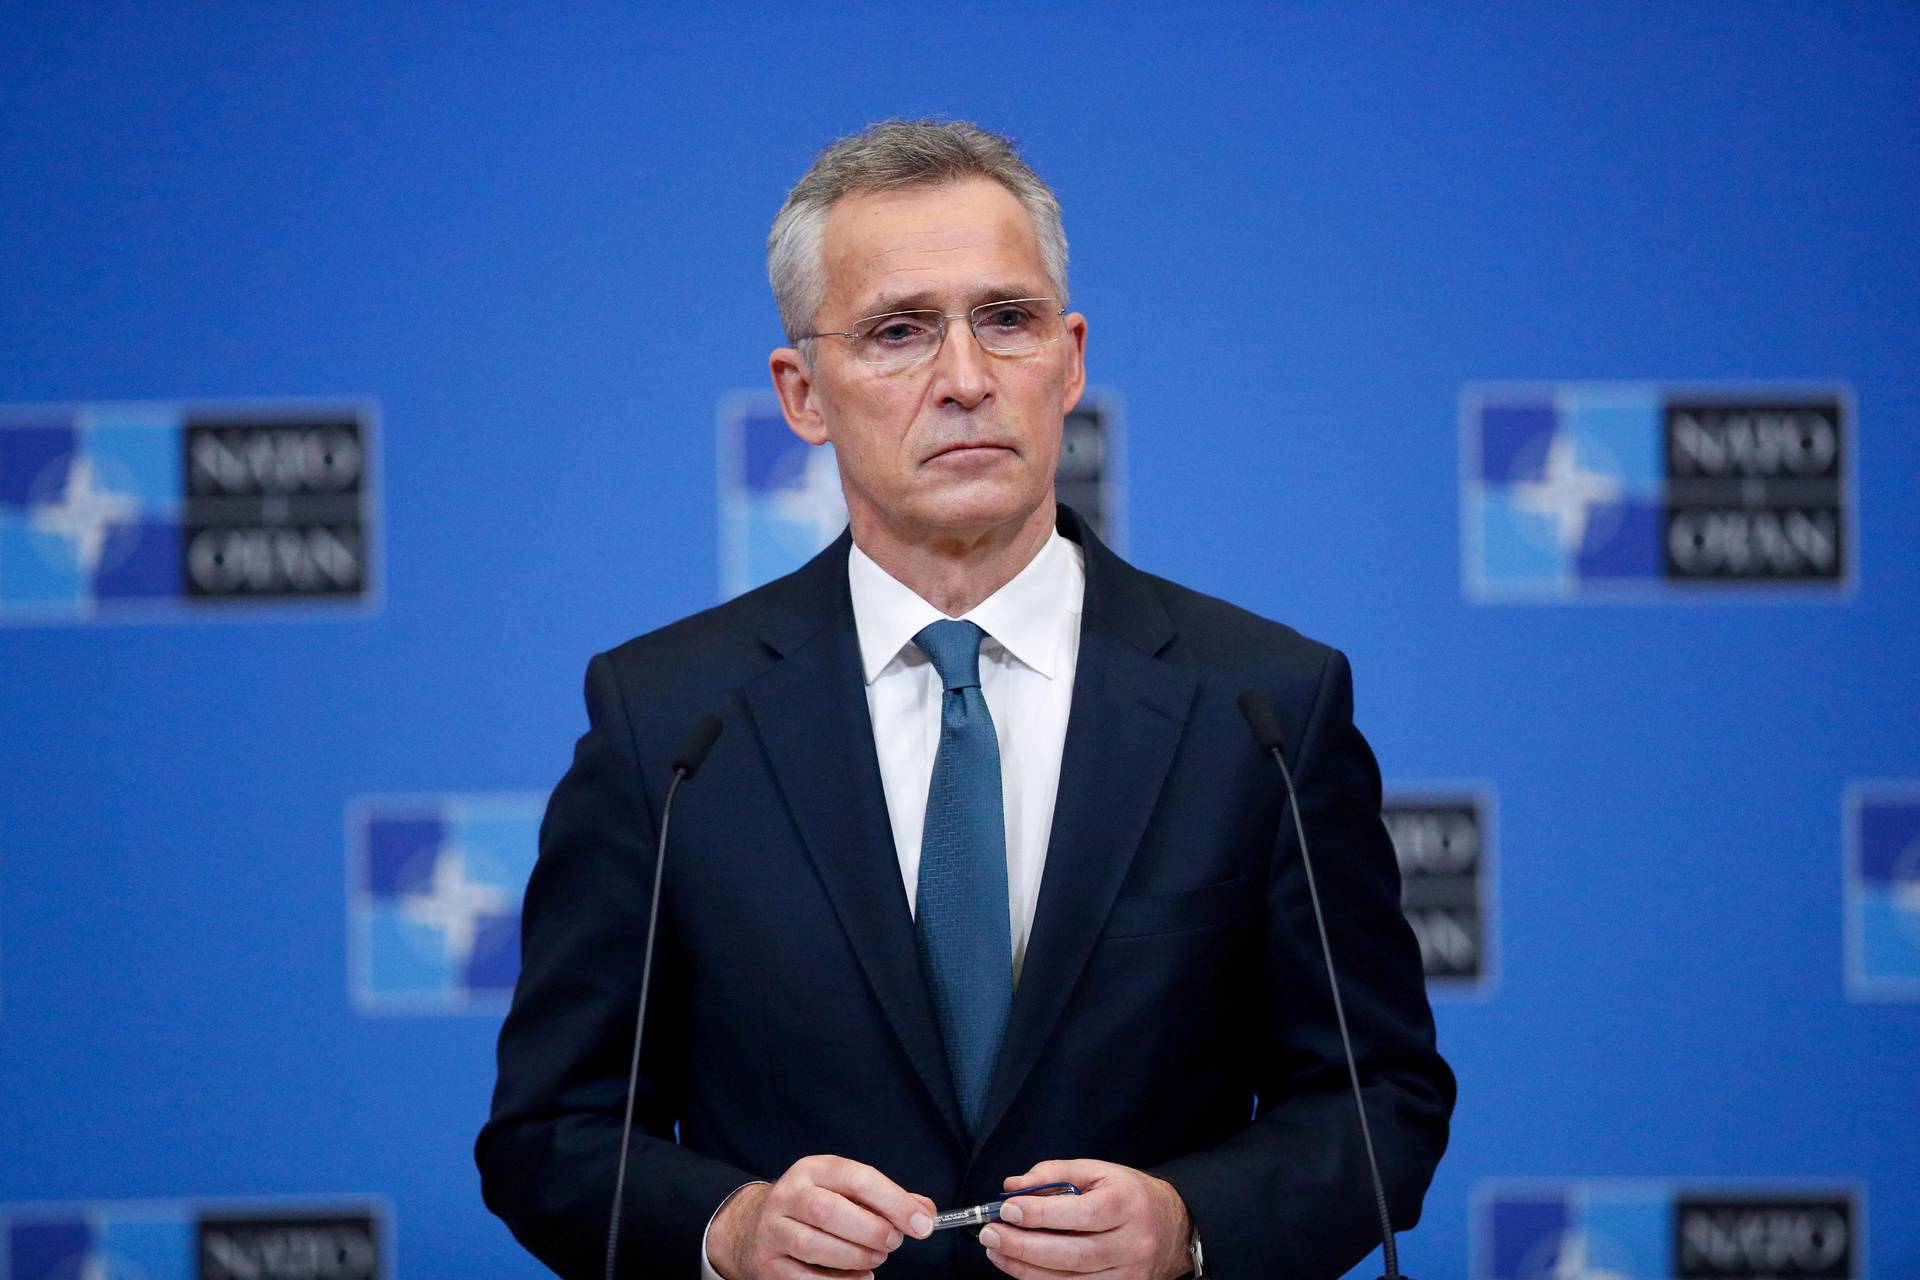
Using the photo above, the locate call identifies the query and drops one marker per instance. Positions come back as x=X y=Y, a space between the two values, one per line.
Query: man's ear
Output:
x=793 y=382
x=1077 y=371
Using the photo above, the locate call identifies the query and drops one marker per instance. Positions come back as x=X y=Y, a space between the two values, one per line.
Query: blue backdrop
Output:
x=534 y=238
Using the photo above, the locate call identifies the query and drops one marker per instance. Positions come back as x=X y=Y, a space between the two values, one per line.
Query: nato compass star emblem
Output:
x=85 y=514
x=1561 y=492
x=88 y=513
x=1566 y=494
x=452 y=905
x=434 y=890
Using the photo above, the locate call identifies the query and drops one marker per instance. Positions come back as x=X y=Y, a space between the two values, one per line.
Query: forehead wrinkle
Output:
x=933 y=300
x=990 y=245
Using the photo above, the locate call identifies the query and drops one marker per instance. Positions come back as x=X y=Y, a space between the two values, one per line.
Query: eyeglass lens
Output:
x=1004 y=328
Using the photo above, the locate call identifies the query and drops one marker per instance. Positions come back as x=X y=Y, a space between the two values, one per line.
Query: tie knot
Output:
x=953 y=647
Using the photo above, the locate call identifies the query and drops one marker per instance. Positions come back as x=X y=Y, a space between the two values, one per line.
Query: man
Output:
x=984 y=884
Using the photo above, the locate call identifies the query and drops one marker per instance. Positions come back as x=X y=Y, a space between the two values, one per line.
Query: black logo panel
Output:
x=1441 y=847
x=1083 y=477
x=275 y=507
x=1756 y=490
x=1764 y=1238
x=340 y=1246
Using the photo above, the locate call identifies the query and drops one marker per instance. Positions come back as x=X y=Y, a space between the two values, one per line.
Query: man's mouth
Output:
x=971 y=447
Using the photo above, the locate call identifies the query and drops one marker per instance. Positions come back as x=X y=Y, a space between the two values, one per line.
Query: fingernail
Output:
x=990 y=1238
x=893 y=1240
x=922 y=1225
x=1012 y=1212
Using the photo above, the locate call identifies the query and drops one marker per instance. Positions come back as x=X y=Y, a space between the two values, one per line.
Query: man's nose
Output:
x=962 y=367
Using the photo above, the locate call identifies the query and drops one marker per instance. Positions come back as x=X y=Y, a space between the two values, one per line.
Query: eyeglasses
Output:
x=902 y=339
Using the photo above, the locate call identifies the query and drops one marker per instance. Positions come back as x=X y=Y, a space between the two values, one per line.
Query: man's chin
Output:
x=974 y=509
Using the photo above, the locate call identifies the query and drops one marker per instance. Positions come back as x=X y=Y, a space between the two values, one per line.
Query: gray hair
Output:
x=886 y=157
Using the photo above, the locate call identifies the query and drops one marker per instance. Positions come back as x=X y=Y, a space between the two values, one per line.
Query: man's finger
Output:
x=824 y=1209
x=787 y=1268
x=1096 y=1208
x=791 y=1269
x=866 y=1185
x=819 y=1248
x=1088 y=1212
x=1071 y=1253
x=1081 y=1173
x=1023 y=1270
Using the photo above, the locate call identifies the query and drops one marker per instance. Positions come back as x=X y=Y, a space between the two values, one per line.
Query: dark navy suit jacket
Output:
x=1172 y=1014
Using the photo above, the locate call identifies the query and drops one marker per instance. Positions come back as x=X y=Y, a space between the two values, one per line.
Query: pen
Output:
x=980 y=1215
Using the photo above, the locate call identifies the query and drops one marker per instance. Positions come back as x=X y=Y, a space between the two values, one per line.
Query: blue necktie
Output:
x=961 y=904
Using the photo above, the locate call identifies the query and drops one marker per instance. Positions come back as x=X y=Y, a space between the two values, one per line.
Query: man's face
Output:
x=967 y=441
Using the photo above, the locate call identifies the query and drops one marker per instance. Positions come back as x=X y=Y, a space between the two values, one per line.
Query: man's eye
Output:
x=898 y=329
x=1008 y=317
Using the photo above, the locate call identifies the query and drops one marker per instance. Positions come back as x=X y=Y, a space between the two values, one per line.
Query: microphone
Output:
x=694 y=747
x=686 y=762
x=1267 y=735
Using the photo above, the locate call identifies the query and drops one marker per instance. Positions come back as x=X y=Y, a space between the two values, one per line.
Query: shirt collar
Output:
x=1029 y=616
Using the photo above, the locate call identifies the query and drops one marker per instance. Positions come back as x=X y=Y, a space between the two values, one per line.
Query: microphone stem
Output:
x=1389 y=1253
x=640 y=1016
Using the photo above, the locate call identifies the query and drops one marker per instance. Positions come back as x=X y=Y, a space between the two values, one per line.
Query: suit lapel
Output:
x=812 y=719
x=1128 y=712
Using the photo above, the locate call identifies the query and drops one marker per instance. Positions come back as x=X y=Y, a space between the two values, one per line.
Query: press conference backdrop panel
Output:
x=369 y=367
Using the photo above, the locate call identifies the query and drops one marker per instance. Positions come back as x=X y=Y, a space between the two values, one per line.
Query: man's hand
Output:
x=1129 y=1224
x=824 y=1212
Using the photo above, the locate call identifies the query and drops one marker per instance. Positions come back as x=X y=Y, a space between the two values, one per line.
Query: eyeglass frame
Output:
x=944 y=316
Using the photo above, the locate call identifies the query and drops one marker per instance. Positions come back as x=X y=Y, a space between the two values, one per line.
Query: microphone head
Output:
x=694 y=747
x=1266 y=729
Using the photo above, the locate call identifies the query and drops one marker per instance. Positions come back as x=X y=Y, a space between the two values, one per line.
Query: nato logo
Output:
x=127 y=510
x=433 y=900
x=1883 y=890
x=1443 y=840
x=1596 y=491
x=171 y=1240
x=780 y=498
x=1630 y=1230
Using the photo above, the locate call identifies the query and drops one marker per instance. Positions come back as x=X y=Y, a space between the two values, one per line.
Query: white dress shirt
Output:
x=1027 y=662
